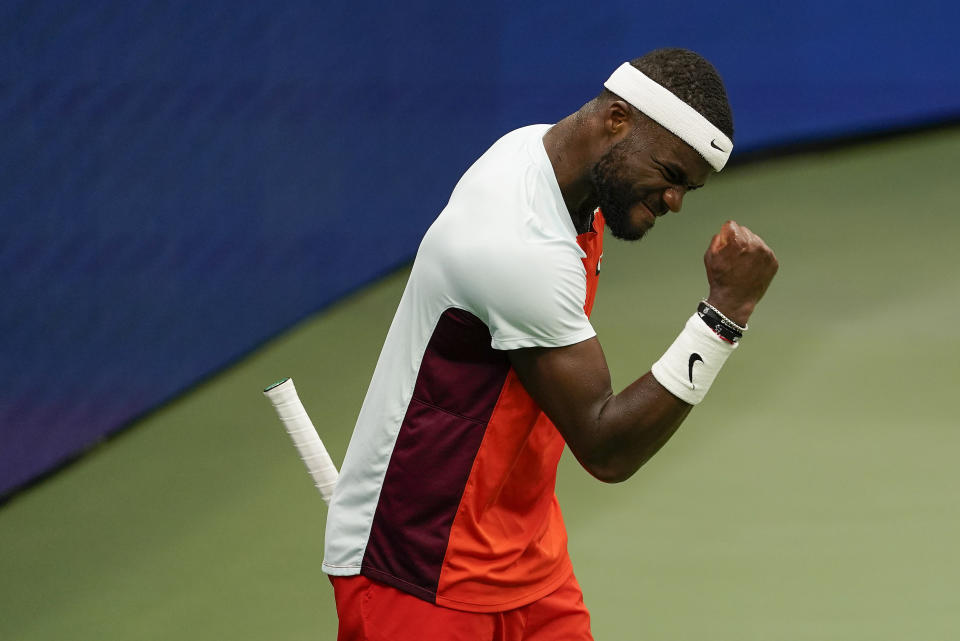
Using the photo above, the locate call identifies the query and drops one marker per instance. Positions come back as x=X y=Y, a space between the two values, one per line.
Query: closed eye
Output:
x=675 y=176
x=671 y=177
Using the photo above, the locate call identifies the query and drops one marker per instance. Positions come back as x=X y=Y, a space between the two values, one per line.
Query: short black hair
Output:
x=692 y=79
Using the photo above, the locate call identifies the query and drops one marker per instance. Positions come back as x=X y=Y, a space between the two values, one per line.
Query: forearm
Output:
x=611 y=435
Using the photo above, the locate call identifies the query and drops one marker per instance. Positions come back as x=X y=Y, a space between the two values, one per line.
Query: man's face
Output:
x=644 y=176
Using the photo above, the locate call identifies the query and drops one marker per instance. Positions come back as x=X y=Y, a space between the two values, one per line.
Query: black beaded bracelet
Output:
x=720 y=324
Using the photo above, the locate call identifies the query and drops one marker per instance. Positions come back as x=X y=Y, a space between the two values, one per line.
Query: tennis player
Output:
x=444 y=524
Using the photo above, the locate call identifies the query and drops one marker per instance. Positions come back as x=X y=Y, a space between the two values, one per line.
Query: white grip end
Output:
x=294 y=417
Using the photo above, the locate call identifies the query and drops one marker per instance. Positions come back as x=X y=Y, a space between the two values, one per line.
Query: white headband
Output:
x=675 y=115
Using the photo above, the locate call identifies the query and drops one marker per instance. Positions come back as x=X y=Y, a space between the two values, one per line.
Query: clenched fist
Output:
x=740 y=267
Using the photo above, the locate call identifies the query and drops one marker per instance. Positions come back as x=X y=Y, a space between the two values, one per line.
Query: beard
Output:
x=615 y=194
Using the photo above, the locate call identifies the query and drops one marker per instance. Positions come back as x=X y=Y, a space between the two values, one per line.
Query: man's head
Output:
x=692 y=79
x=644 y=169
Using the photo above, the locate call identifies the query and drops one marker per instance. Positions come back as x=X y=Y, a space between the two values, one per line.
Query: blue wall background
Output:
x=179 y=181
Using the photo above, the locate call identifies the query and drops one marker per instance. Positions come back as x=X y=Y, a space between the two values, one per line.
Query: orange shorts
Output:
x=371 y=611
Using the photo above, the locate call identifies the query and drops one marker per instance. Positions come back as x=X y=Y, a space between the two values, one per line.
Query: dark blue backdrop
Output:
x=179 y=181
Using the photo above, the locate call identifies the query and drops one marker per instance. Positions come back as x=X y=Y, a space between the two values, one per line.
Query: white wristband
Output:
x=688 y=367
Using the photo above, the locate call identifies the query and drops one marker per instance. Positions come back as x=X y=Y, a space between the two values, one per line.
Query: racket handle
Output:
x=294 y=417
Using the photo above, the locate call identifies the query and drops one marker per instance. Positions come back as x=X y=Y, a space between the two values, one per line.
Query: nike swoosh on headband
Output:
x=713 y=143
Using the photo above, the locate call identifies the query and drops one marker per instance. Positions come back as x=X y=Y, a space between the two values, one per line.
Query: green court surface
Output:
x=813 y=495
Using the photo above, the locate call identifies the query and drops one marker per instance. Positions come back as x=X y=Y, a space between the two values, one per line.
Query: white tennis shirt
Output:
x=500 y=268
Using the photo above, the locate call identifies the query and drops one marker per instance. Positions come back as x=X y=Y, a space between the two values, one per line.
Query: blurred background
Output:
x=197 y=199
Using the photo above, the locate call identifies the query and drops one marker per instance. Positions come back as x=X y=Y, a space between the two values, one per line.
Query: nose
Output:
x=673 y=197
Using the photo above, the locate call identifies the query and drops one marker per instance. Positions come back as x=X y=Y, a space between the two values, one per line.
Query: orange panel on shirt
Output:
x=592 y=243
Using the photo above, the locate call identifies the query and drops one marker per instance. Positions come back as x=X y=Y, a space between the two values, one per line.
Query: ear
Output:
x=618 y=119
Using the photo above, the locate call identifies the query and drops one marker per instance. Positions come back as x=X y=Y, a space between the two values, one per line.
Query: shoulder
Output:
x=505 y=165
x=505 y=249
x=538 y=299
x=526 y=284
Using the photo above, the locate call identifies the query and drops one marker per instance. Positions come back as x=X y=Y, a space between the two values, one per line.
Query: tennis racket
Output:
x=294 y=417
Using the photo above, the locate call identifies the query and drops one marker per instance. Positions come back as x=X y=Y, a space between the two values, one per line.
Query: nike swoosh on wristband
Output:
x=693 y=359
x=713 y=143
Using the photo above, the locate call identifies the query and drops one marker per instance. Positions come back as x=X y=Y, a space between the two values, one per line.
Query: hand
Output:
x=740 y=267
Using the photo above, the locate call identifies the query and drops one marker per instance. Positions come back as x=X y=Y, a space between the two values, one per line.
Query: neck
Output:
x=568 y=145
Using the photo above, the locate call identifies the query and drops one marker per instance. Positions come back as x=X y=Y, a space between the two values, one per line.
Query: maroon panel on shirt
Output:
x=457 y=388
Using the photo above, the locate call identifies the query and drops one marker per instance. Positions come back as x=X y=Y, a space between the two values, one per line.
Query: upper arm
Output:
x=571 y=385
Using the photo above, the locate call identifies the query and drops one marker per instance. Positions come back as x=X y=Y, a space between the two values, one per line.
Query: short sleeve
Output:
x=532 y=295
